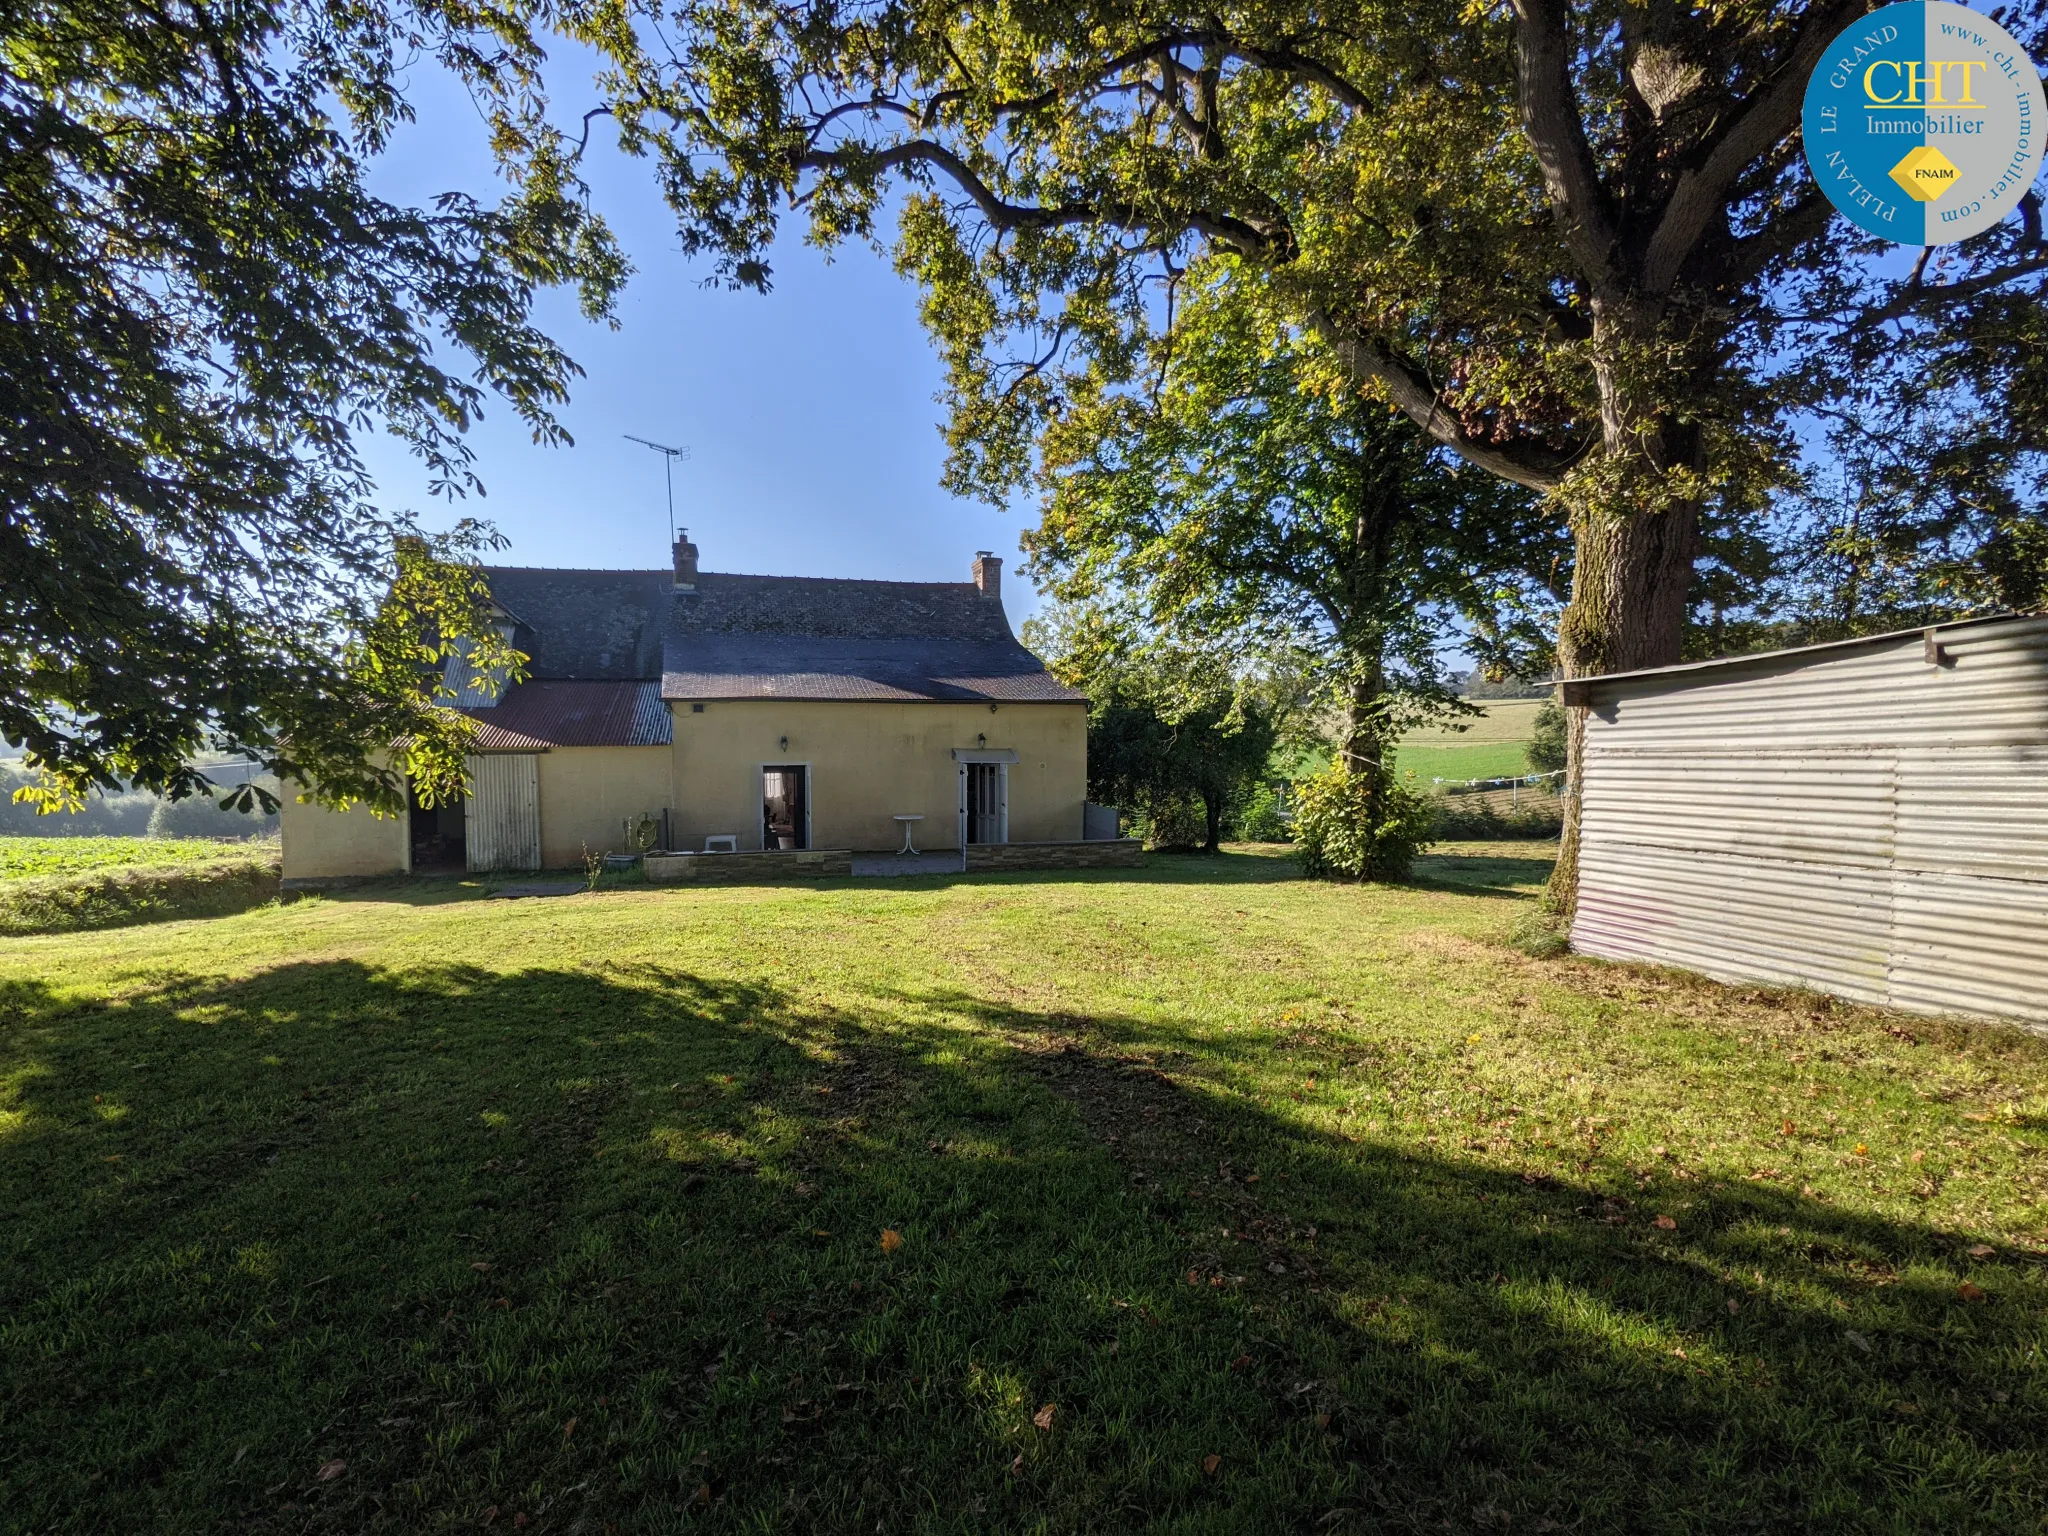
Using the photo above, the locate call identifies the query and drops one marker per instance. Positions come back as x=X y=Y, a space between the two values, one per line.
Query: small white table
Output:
x=722 y=842
x=909 y=826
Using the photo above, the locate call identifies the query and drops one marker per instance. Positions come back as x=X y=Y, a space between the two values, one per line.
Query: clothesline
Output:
x=1511 y=782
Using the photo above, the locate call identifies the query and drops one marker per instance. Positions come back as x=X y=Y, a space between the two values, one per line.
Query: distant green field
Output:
x=1490 y=746
x=1473 y=760
x=1504 y=720
x=23 y=858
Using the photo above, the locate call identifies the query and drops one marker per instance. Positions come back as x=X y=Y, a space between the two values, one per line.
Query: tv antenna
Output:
x=669 y=456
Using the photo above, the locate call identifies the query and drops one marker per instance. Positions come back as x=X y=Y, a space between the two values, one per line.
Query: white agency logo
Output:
x=1924 y=123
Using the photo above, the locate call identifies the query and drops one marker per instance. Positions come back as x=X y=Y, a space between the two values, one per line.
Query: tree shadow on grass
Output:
x=335 y=1247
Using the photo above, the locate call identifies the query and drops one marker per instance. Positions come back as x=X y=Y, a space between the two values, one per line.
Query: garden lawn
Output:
x=1196 y=1198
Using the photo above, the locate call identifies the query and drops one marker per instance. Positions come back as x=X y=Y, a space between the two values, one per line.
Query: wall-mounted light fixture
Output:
x=981 y=741
x=785 y=743
x=991 y=709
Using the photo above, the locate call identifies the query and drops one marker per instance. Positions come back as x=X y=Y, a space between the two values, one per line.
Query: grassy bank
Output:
x=1195 y=1198
x=66 y=884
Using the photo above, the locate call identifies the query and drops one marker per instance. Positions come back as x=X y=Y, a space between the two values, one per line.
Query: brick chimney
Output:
x=686 y=563
x=988 y=574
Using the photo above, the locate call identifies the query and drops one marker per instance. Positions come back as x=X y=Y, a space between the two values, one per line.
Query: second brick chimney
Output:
x=686 y=563
x=988 y=574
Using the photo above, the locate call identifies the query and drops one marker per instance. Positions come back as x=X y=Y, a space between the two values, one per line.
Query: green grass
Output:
x=1479 y=760
x=1500 y=720
x=31 y=857
x=572 y=1210
x=70 y=884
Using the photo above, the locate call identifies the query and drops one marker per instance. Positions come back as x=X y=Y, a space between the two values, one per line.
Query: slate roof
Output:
x=804 y=637
x=532 y=717
x=593 y=625
x=754 y=637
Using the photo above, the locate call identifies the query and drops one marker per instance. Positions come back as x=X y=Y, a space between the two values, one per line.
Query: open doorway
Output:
x=786 y=805
x=437 y=835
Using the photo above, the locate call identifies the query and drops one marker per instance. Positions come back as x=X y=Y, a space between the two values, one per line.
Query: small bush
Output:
x=1339 y=837
x=1262 y=822
x=1456 y=818
x=1546 y=750
x=1178 y=822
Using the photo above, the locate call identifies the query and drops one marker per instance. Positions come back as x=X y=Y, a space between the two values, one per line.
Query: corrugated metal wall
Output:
x=503 y=830
x=1871 y=821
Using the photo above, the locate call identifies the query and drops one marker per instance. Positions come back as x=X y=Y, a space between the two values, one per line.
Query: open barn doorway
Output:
x=437 y=834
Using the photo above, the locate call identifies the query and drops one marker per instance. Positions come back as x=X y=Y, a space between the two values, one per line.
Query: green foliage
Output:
x=1546 y=749
x=1176 y=737
x=205 y=304
x=1359 y=826
x=1261 y=821
x=1481 y=818
x=1252 y=489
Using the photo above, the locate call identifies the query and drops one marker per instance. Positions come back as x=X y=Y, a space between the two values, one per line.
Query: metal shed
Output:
x=1867 y=818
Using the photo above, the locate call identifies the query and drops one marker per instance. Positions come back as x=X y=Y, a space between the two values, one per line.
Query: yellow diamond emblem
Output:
x=1925 y=173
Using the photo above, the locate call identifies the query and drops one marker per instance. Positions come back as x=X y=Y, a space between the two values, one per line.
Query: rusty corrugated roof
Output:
x=535 y=716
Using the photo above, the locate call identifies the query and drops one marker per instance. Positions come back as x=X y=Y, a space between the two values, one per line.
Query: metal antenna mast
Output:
x=668 y=466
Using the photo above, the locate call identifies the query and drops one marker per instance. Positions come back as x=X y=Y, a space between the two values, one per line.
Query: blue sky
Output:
x=809 y=411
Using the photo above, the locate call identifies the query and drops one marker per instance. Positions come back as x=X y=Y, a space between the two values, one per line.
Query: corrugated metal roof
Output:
x=535 y=716
x=1967 y=631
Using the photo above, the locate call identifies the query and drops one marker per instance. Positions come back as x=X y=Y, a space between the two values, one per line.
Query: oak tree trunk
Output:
x=1627 y=610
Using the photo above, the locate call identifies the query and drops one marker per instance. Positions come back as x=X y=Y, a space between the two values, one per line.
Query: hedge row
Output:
x=118 y=897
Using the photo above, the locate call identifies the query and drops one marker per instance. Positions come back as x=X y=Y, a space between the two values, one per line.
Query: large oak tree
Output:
x=1573 y=240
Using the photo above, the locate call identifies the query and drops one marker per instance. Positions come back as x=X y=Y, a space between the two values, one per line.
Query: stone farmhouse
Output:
x=782 y=715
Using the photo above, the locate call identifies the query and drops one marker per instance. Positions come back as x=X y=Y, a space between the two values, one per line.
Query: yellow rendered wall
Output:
x=320 y=843
x=871 y=761
x=586 y=793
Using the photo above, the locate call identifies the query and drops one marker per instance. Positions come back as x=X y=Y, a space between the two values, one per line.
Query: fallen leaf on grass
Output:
x=1665 y=1224
x=1860 y=1342
x=703 y=1498
x=1969 y=1292
x=568 y=1429
x=1862 y=1150
x=1980 y=1250
x=481 y=1266
x=329 y=1471
x=891 y=1240
x=1322 y=1421
x=1043 y=1418
x=1240 y=1362
x=1017 y=1466
x=1210 y=1464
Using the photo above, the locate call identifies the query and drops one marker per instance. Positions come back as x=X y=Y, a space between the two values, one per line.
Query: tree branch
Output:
x=1556 y=129
x=1228 y=230
x=1538 y=469
x=1805 y=220
x=1770 y=113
